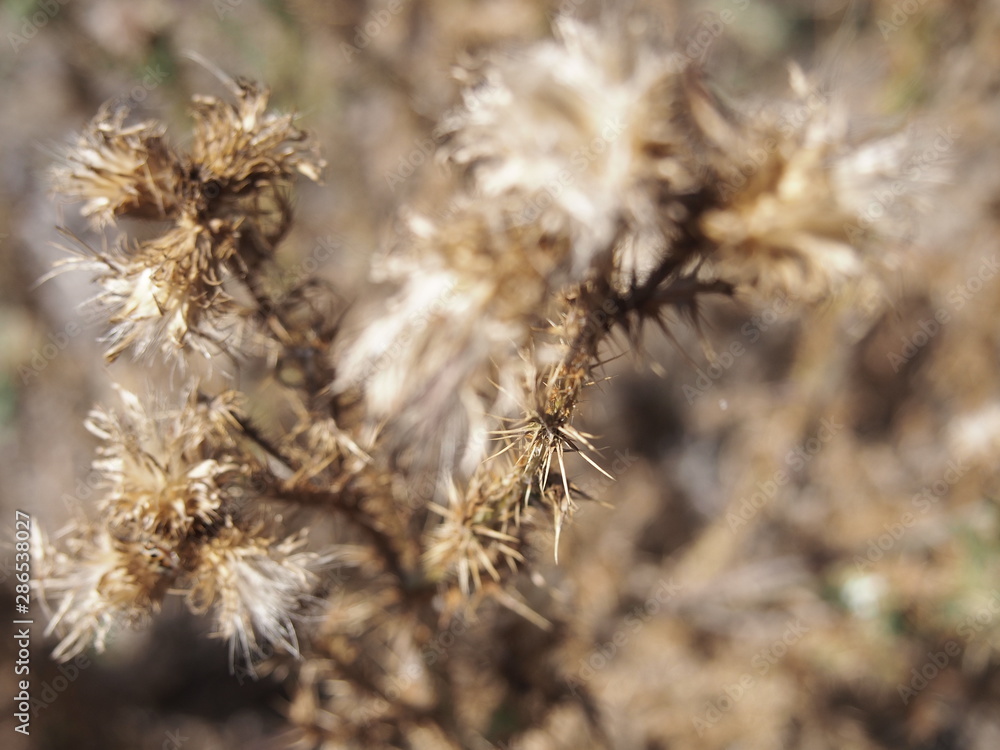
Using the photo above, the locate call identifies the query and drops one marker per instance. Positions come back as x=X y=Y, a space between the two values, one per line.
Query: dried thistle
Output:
x=174 y=517
x=600 y=188
x=226 y=203
x=121 y=170
x=99 y=583
x=582 y=131
x=482 y=278
x=254 y=584
x=793 y=183
x=165 y=476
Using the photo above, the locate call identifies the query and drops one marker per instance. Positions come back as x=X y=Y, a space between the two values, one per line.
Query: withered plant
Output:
x=598 y=187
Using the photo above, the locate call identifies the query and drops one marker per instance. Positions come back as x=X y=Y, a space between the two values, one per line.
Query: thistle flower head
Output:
x=477 y=536
x=253 y=584
x=794 y=187
x=172 y=519
x=244 y=143
x=574 y=129
x=119 y=169
x=162 y=473
x=168 y=294
x=227 y=207
x=483 y=280
x=98 y=583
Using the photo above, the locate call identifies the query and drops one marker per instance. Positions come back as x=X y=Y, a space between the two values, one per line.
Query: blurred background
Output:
x=803 y=548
